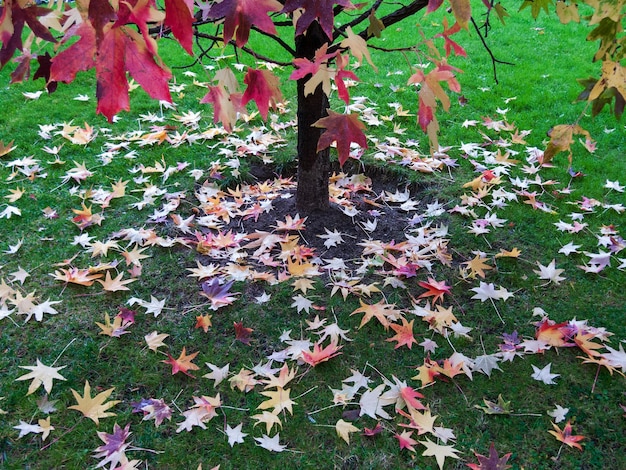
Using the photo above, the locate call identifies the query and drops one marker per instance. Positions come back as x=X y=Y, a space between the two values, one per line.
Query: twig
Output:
x=61 y=353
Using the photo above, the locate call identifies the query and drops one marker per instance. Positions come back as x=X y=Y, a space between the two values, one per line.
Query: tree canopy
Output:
x=119 y=41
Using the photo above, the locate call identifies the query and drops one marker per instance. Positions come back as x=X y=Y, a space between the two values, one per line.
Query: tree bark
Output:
x=313 y=166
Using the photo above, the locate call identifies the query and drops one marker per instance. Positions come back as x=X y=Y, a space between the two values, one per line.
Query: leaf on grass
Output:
x=116 y=284
x=440 y=452
x=154 y=340
x=219 y=295
x=344 y=429
x=96 y=407
x=493 y=462
x=492 y=408
x=565 y=435
x=183 y=363
x=404 y=334
x=242 y=333
x=41 y=375
x=270 y=443
x=319 y=355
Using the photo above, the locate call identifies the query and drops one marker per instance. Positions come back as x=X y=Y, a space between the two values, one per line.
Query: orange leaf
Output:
x=183 y=363
x=320 y=355
x=566 y=437
x=404 y=334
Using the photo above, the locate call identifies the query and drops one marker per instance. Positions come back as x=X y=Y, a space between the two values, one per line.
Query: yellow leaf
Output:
x=344 y=429
x=358 y=47
x=462 y=12
x=114 y=285
x=93 y=408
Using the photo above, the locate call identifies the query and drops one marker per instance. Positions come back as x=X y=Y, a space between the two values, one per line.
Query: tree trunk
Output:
x=313 y=166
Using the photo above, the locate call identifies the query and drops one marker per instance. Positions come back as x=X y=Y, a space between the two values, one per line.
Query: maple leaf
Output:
x=558 y=413
x=115 y=329
x=382 y=311
x=493 y=408
x=270 y=443
x=372 y=403
x=41 y=375
x=263 y=88
x=83 y=277
x=319 y=355
x=219 y=295
x=240 y=15
x=270 y=419
x=477 y=266
x=154 y=340
x=549 y=272
x=565 y=435
x=114 y=447
x=278 y=400
x=235 y=436
x=320 y=10
x=224 y=105
x=183 y=363
x=449 y=44
x=440 y=452
x=493 y=462
x=242 y=333
x=179 y=17
x=154 y=409
x=404 y=334
x=357 y=46
x=217 y=374
x=204 y=322
x=435 y=289
x=94 y=408
x=343 y=129
x=344 y=429
x=406 y=441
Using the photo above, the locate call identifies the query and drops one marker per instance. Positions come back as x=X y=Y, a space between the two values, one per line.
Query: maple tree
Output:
x=118 y=40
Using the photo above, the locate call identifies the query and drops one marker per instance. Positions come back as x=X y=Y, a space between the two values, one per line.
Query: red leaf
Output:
x=449 y=45
x=224 y=109
x=320 y=355
x=343 y=129
x=263 y=88
x=305 y=66
x=374 y=431
x=320 y=10
x=179 y=17
x=12 y=20
x=434 y=289
x=242 y=333
x=79 y=57
x=100 y=13
x=433 y=5
x=342 y=91
x=140 y=63
x=493 y=462
x=111 y=84
x=566 y=437
x=425 y=114
x=240 y=15
x=183 y=363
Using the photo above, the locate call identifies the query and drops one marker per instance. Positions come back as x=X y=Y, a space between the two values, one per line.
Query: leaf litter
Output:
x=377 y=238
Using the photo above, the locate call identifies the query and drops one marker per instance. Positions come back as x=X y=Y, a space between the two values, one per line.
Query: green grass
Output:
x=543 y=92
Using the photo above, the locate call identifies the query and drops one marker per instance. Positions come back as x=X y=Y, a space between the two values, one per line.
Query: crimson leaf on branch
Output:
x=343 y=129
x=263 y=88
x=12 y=19
x=320 y=10
x=240 y=15
x=179 y=17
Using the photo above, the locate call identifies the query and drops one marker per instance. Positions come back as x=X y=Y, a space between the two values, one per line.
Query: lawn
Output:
x=160 y=296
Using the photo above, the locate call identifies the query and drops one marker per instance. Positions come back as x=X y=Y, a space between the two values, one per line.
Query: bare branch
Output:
x=494 y=61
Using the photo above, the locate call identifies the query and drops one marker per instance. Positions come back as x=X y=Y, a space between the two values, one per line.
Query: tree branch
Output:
x=494 y=61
